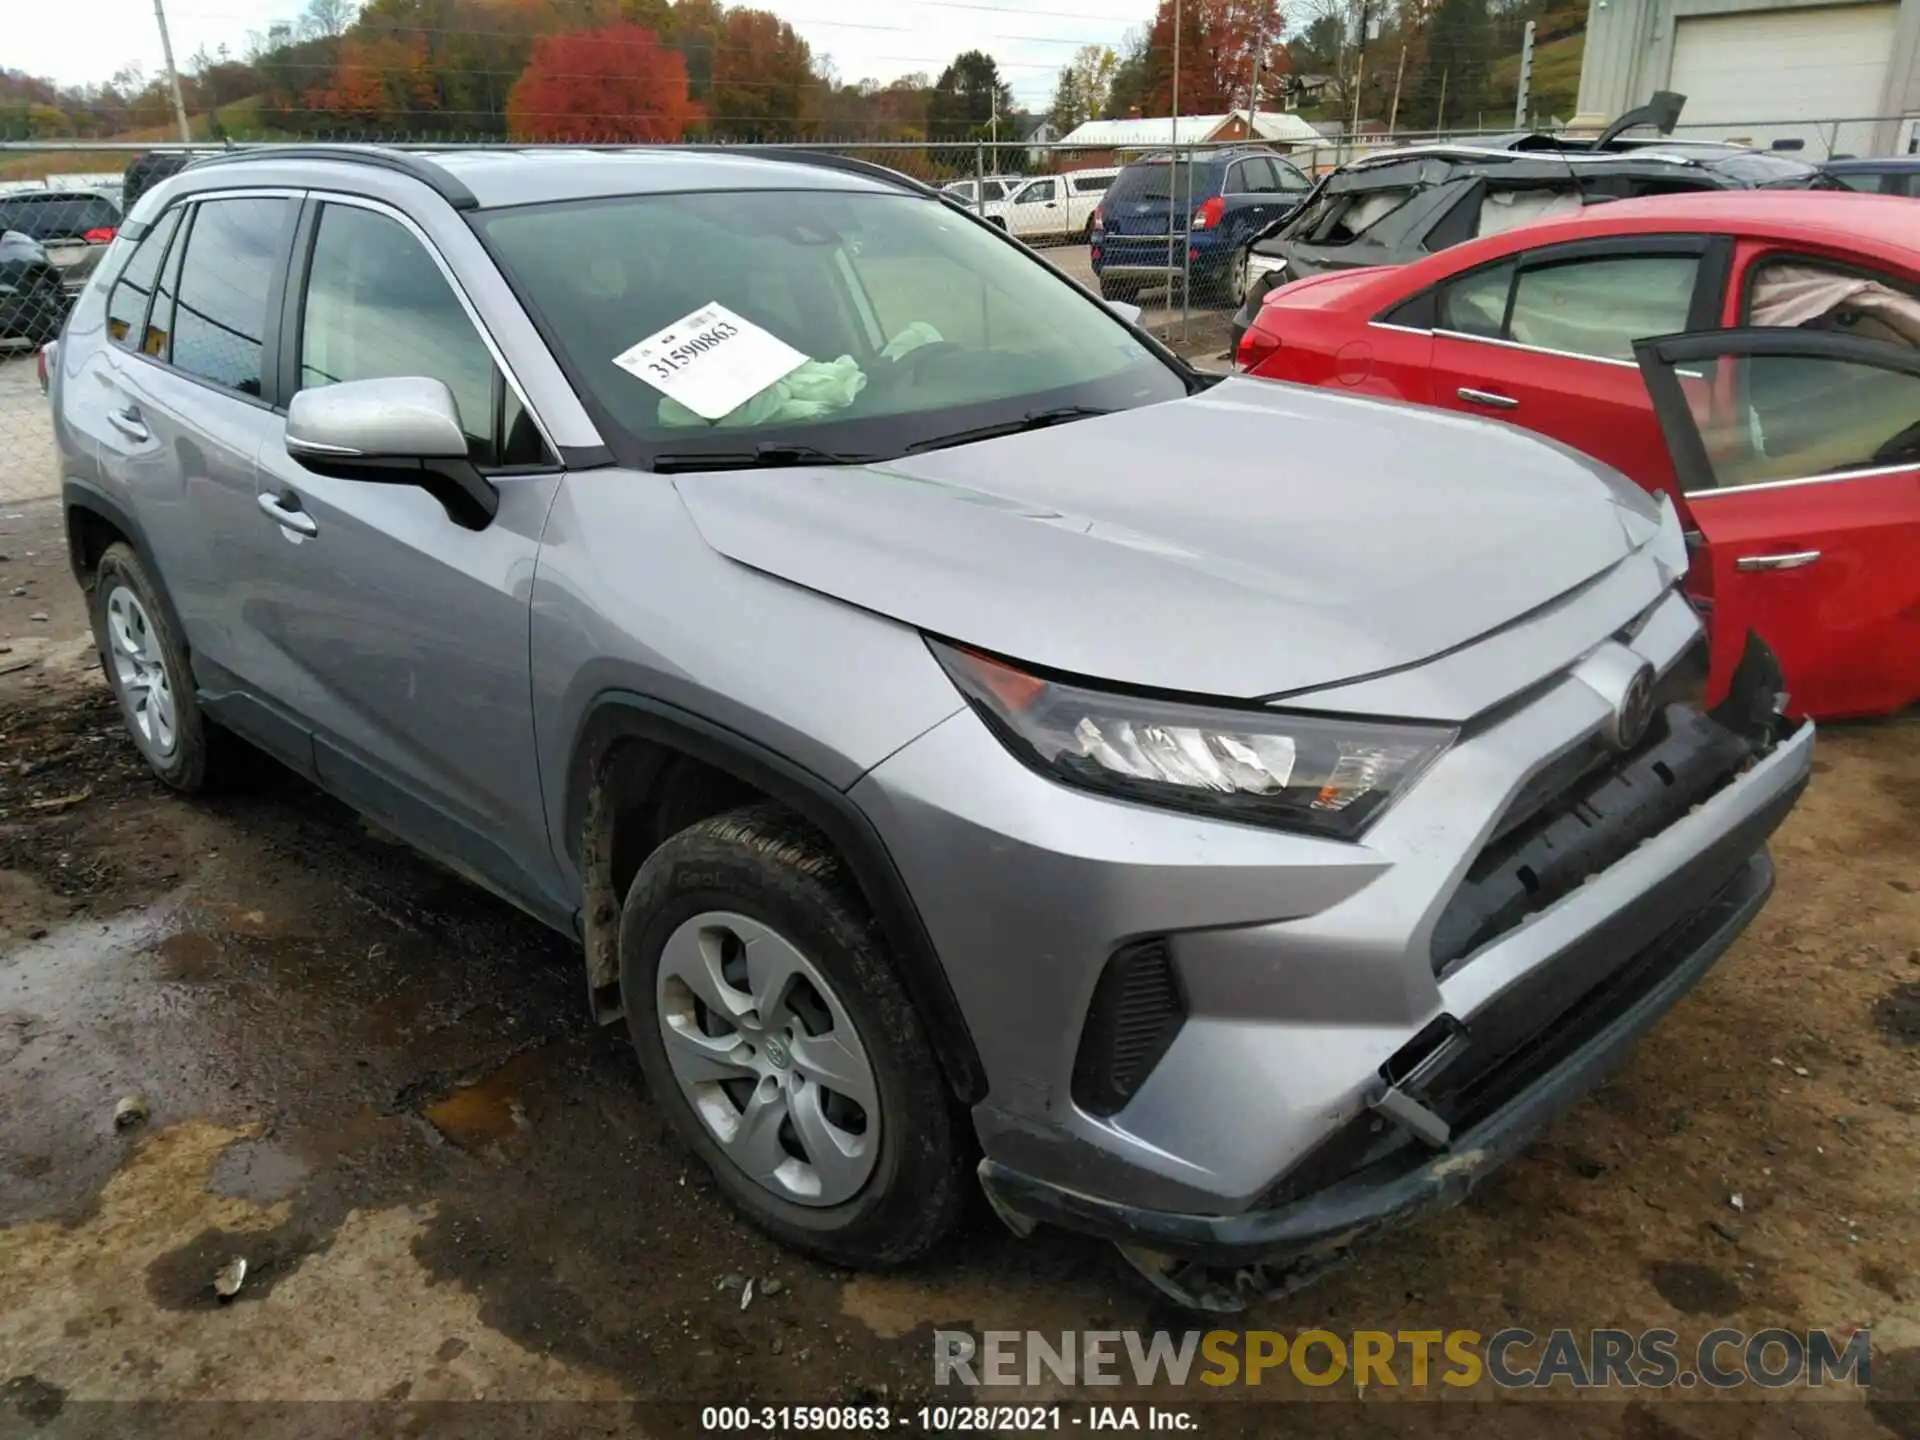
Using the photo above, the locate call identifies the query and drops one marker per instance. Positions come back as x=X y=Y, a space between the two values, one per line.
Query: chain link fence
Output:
x=1161 y=240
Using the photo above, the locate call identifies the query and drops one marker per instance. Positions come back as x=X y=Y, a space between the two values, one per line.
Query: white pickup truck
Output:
x=1053 y=206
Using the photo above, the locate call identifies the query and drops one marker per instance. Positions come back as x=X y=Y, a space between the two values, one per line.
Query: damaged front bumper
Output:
x=1463 y=1097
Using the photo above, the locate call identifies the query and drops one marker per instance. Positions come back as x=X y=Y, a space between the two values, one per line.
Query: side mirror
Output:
x=1125 y=310
x=402 y=430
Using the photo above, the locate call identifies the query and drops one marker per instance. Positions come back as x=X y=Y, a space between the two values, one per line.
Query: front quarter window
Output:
x=912 y=321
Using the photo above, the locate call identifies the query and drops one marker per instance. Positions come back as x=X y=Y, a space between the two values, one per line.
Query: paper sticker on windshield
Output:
x=712 y=361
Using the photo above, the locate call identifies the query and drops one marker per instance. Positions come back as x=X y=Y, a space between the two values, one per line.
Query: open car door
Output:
x=1799 y=455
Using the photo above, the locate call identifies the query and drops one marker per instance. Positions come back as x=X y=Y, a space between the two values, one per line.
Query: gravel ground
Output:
x=376 y=1084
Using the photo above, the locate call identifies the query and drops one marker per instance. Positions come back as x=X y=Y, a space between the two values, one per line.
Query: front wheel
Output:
x=774 y=1033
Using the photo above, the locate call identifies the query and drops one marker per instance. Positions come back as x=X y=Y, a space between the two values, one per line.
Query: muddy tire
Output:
x=146 y=667
x=774 y=1033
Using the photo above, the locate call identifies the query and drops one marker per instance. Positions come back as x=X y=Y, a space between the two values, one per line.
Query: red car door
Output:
x=1544 y=339
x=1801 y=462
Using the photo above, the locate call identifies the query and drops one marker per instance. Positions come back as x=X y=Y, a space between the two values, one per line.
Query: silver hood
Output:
x=1252 y=540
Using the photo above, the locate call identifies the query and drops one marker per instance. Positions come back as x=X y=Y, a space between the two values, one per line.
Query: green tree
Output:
x=1082 y=90
x=966 y=97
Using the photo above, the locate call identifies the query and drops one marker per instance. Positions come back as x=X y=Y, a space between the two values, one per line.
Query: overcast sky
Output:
x=85 y=40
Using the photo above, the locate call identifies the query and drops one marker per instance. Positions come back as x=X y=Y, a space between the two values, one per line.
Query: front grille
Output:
x=1137 y=1011
x=1582 y=827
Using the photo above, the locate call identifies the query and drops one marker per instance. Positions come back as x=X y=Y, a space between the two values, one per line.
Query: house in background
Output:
x=1037 y=131
x=1113 y=142
x=1760 y=72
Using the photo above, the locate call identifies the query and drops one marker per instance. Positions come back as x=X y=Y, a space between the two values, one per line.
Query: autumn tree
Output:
x=1082 y=90
x=1218 y=43
x=383 y=82
x=762 y=72
x=615 y=83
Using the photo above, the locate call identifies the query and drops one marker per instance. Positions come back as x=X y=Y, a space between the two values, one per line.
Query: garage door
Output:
x=1784 y=66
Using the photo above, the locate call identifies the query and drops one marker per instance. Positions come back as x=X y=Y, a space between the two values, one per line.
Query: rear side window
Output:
x=1091 y=184
x=1599 y=307
x=1595 y=307
x=377 y=306
x=133 y=291
x=233 y=252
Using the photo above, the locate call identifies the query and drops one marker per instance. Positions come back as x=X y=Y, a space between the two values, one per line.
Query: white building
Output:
x=1274 y=126
x=1842 y=77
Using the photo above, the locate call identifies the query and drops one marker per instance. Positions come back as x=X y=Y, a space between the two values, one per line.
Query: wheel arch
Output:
x=626 y=739
x=95 y=520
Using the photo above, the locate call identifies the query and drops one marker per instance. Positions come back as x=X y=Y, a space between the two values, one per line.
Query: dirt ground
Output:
x=377 y=1085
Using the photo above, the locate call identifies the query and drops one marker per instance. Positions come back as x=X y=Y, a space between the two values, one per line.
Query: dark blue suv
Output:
x=1196 y=213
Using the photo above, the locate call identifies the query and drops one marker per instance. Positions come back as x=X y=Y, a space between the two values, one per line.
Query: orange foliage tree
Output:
x=1217 y=43
x=379 y=81
x=615 y=83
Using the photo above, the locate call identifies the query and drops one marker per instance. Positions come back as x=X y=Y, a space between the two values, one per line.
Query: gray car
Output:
x=1224 y=818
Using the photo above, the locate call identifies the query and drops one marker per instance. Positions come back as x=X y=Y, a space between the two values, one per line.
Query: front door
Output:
x=1800 y=456
x=1037 y=208
x=402 y=630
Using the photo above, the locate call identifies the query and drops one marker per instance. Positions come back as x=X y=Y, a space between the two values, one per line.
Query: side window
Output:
x=1793 y=416
x=377 y=306
x=127 y=302
x=1038 y=191
x=1292 y=179
x=233 y=253
x=992 y=190
x=1263 y=177
x=1802 y=292
x=158 y=339
x=1599 y=307
x=1092 y=184
x=1476 y=303
x=1854 y=180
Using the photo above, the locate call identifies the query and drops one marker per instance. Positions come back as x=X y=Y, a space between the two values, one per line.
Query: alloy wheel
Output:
x=140 y=674
x=768 y=1058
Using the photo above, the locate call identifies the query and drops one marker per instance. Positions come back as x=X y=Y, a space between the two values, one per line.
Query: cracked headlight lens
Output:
x=1323 y=776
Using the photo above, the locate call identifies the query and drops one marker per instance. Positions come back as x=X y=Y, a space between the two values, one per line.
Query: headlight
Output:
x=1259 y=766
x=1258 y=265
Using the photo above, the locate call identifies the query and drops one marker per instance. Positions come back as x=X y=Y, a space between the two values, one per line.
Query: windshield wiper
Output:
x=1032 y=420
x=768 y=455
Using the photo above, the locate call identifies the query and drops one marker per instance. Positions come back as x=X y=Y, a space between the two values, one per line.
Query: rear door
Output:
x=1800 y=456
x=1544 y=339
x=1255 y=196
x=186 y=400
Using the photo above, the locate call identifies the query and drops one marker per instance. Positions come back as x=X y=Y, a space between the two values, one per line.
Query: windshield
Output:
x=850 y=323
x=1163 y=180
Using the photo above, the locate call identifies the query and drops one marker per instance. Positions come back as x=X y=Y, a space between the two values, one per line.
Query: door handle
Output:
x=129 y=423
x=294 y=518
x=1488 y=399
x=1787 y=560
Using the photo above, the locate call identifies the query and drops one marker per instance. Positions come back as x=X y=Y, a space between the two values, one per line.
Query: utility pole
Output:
x=173 y=75
x=1253 y=80
x=1526 y=77
x=1359 y=66
x=1393 y=115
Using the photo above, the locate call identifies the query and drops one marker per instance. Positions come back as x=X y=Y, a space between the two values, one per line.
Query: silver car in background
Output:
x=1221 y=817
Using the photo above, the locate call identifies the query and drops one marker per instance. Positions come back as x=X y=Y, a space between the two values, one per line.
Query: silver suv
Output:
x=1227 y=817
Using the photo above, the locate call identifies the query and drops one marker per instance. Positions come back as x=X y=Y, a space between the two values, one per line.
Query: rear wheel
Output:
x=146 y=666
x=1238 y=277
x=773 y=1032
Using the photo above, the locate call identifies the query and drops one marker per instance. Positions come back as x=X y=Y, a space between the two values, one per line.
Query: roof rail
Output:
x=825 y=159
x=404 y=162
